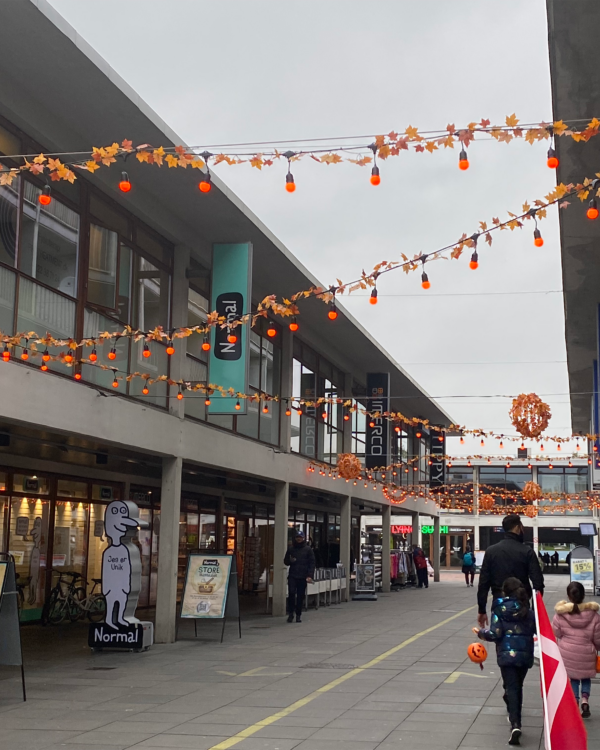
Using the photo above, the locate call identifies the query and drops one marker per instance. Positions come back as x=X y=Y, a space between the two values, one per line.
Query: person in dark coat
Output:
x=301 y=560
x=512 y=630
x=510 y=558
x=468 y=567
x=421 y=567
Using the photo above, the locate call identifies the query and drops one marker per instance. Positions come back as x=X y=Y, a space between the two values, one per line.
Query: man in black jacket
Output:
x=301 y=560
x=507 y=559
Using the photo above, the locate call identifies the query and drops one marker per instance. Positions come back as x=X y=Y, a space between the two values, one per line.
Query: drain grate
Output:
x=321 y=665
x=100 y=669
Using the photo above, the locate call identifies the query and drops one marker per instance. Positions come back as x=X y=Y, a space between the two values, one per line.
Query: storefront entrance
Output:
x=453 y=545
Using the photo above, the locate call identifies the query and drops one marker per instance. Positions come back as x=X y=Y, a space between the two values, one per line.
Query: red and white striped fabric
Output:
x=563 y=725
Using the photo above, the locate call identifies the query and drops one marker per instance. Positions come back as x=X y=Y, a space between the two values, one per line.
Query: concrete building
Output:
x=97 y=259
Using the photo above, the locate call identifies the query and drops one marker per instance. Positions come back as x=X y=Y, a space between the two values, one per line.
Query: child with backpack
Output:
x=576 y=624
x=512 y=629
x=468 y=566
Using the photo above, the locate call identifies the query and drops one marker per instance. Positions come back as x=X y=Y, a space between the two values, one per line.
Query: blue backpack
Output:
x=468 y=559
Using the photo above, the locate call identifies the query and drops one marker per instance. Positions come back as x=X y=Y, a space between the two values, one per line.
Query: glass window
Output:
x=109 y=217
x=155 y=365
x=9 y=203
x=28 y=543
x=69 y=551
x=93 y=324
x=9 y=143
x=31 y=483
x=151 y=296
x=124 y=296
x=197 y=315
x=196 y=372
x=67 y=488
x=7 y=298
x=247 y=424
x=102 y=270
x=49 y=241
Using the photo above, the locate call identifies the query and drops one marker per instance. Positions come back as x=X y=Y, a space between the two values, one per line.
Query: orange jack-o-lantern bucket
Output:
x=477 y=652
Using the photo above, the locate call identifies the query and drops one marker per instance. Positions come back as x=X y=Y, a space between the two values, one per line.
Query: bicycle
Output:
x=68 y=599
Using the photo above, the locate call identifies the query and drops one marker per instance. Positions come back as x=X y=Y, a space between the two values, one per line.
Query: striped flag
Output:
x=563 y=725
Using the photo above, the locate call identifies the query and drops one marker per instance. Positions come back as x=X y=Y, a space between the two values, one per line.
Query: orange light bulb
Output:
x=375 y=177
x=124 y=185
x=538 y=240
x=93 y=356
x=333 y=313
x=112 y=353
x=592 y=212
x=294 y=325
x=44 y=367
x=205 y=185
x=44 y=198
x=146 y=351
x=68 y=358
x=115 y=383
x=373 y=297
x=271 y=331
x=25 y=354
x=206 y=346
x=425 y=283
x=474 y=264
x=238 y=406
x=145 y=390
x=463 y=160
x=77 y=376
x=179 y=396
x=552 y=159
x=290 y=185
x=46 y=356
x=232 y=338
x=170 y=348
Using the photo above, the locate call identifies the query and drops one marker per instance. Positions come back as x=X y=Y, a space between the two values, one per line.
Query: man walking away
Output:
x=510 y=558
x=468 y=567
x=301 y=560
x=421 y=566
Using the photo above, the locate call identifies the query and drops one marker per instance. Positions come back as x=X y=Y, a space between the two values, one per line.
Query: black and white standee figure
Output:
x=121 y=581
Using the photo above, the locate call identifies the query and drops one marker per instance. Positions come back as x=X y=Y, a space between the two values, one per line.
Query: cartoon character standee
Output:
x=121 y=563
x=34 y=562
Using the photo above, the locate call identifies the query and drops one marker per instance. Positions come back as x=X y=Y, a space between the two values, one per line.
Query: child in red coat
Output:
x=577 y=626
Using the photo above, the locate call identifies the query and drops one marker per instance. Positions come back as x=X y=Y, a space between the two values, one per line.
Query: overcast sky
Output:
x=232 y=71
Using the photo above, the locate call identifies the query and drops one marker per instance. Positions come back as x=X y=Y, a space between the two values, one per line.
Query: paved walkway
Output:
x=382 y=675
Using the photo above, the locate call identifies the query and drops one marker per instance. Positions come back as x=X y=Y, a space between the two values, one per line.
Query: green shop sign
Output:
x=431 y=529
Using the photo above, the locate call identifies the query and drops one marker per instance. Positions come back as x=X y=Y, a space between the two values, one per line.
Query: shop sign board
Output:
x=582 y=568
x=431 y=529
x=22 y=527
x=231 y=298
x=31 y=485
x=378 y=436
x=400 y=529
x=99 y=528
x=121 y=582
x=437 y=470
x=308 y=422
x=206 y=585
x=365 y=578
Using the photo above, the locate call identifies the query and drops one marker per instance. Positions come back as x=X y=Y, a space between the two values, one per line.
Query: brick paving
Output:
x=197 y=693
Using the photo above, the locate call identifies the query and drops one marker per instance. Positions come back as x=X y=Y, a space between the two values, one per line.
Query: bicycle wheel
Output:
x=48 y=605
x=57 y=611
x=97 y=608
x=75 y=604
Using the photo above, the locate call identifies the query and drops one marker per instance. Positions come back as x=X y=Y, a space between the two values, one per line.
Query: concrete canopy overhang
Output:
x=59 y=91
x=573 y=30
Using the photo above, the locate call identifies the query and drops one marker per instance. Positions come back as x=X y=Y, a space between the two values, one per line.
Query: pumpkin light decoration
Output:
x=349 y=466
x=532 y=491
x=486 y=502
x=529 y=415
x=530 y=511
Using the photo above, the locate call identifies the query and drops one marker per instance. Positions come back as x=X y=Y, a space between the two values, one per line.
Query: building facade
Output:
x=96 y=260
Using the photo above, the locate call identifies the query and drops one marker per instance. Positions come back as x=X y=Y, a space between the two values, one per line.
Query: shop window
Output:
x=49 y=242
x=3 y=477
x=9 y=211
x=98 y=542
x=31 y=484
x=69 y=551
x=28 y=544
x=68 y=488
x=42 y=310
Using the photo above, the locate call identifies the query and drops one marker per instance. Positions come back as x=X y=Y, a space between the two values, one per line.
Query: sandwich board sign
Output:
x=364 y=588
x=11 y=653
x=121 y=583
x=211 y=590
x=582 y=568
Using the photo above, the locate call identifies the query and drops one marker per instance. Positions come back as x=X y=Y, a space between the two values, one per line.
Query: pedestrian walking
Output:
x=421 y=566
x=468 y=566
x=576 y=624
x=512 y=629
x=510 y=558
x=301 y=560
x=555 y=559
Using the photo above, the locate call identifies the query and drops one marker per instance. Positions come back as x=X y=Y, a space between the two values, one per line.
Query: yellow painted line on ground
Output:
x=249 y=731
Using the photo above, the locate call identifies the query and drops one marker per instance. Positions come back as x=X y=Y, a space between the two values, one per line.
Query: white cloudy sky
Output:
x=239 y=70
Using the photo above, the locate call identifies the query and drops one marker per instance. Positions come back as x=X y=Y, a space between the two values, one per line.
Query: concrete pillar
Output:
x=280 y=548
x=346 y=540
x=416 y=525
x=386 y=530
x=179 y=318
x=475 y=534
x=168 y=551
x=287 y=388
x=436 y=549
x=476 y=490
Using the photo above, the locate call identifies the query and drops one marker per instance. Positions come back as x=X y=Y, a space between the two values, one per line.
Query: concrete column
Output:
x=386 y=523
x=168 y=551
x=436 y=549
x=347 y=426
x=475 y=490
x=179 y=318
x=287 y=385
x=346 y=540
x=416 y=532
x=475 y=534
x=280 y=548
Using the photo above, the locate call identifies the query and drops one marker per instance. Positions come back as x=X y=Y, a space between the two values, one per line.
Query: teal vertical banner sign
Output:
x=231 y=298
